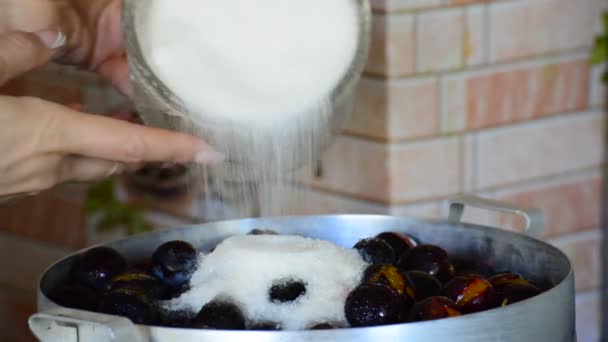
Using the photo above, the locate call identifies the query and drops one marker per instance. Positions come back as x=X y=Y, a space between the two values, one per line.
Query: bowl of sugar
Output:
x=266 y=82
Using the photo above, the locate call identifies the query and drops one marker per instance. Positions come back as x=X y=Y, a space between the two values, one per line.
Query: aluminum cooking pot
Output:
x=547 y=317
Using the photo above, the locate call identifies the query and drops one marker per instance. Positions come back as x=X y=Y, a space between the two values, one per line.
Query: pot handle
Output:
x=67 y=325
x=535 y=220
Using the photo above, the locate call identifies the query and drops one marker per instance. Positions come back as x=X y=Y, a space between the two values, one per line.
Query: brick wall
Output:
x=488 y=97
x=460 y=96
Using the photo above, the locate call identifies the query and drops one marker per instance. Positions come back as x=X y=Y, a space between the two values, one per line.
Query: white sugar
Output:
x=257 y=62
x=258 y=80
x=244 y=268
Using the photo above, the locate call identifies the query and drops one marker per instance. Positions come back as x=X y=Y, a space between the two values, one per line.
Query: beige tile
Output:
x=412 y=110
x=395 y=109
x=465 y=2
x=454 y=103
x=401 y=5
x=514 y=93
x=569 y=204
x=424 y=170
x=356 y=168
x=538 y=149
x=528 y=28
x=597 y=95
x=440 y=40
x=392 y=51
x=475 y=32
x=392 y=174
x=291 y=200
x=584 y=251
x=470 y=163
x=369 y=116
x=526 y=93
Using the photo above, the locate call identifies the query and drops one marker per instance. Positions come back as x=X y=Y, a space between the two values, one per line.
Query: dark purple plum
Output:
x=174 y=262
x=430 y=259
x=372 y=305
x=375 y=251
x=96 y=267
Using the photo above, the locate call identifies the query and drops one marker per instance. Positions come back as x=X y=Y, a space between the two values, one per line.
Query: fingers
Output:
x=116 y=71
x=75 y=169
x=93 y=30
x=80 y=169
x=64 y=145
x=101 y=47
x=21 y=52
x=32 y=174
x=44 y=172
x=109 y=139
x=119 y=115
x=28 y=15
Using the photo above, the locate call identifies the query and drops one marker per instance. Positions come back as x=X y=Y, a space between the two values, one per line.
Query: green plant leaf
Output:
x=101 y=200
x=100 y=196
x=605 y=77
x=600 y=51
x=605 y=21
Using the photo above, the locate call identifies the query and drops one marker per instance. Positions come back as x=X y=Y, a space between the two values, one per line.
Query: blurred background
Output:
x=500 y=98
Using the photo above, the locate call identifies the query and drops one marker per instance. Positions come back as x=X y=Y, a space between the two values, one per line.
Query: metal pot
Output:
x=547 y=317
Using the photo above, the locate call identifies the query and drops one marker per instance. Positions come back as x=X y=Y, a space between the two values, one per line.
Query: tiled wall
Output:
x=460 y=96
x=488 y=97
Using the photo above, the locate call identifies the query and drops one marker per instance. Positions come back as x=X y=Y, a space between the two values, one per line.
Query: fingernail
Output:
x=52 y=39
x=209 y=157
x=118 y=168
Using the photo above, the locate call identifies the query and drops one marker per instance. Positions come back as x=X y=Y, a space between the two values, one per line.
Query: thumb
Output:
x=21 y=52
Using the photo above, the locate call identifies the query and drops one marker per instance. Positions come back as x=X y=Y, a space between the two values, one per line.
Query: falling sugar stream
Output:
x=264 y=96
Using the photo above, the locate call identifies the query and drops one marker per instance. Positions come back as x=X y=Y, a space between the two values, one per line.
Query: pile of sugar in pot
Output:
x=244 y=269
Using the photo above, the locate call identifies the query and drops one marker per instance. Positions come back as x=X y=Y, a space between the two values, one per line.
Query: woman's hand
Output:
x=43 y=144
x=91 y=29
